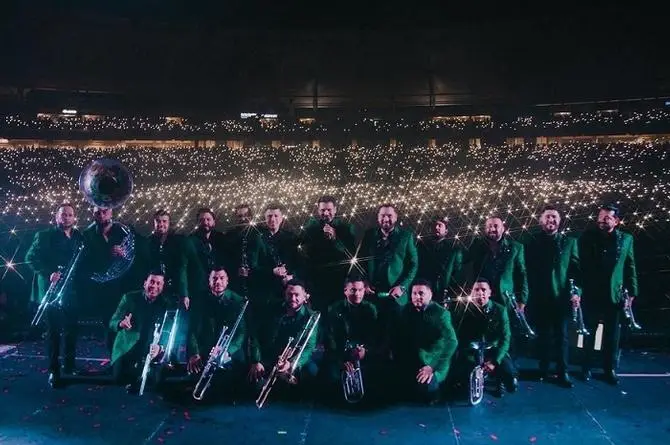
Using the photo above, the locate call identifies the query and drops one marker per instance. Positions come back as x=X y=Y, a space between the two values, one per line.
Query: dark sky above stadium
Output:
x=236 y=49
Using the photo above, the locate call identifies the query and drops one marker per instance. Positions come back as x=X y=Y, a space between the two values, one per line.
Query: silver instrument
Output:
x=352 y=381
x=147 y=359
x=58 y=289
x=478 y=374
x=106 y=183
x=522 y=323
x=292 y=353
x=577 y=314
x=165 y=336
x=628 y=313
x=217 y=360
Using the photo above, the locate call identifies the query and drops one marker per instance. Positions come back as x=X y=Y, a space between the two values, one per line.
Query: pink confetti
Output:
x=187 y=415
x=160 y=439
x=130 y=419
x=456 y=432
x=104 y=362
x=97 y=425
x=422 y=425
x=383 y=432
x=493 y=437
x=533 y=439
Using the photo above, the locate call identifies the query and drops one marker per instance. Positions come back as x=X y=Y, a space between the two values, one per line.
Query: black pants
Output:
x=552 y=331
x=128 y=368
x=610 y=314
x=229 y=383
x=61 y=322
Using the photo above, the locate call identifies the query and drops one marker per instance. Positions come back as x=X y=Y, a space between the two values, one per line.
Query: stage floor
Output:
x=637 y=412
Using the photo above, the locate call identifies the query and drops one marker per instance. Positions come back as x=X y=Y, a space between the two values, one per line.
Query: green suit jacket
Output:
x=425 y=337
x=172 y=254
x=605 y=274
x=506 y=271
x=357 y=324
x=490 y=323
x=442 y=264
x=550 y=281
x=214 y=316
x=397 y=268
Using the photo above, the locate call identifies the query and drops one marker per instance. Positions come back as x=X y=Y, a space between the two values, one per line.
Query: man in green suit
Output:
x=479 y=318
x=328 y=244
x=134 y=322
x=608 y=264
x=391 y=262
x=270 y=339
x=553 y=259
x=440 y=262
x=49 y=256
x=423 y=342
x=222 y=307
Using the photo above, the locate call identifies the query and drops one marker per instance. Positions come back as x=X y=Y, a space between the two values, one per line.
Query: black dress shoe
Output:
x=564 y=380
x=512 y=385
x=611 y=377
x=586 y=374
x=55 y=381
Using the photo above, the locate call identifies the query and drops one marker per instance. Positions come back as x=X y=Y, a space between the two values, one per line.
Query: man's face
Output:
x=295 y=296
x=494 y=229
x=481 y=293
x=65 y=217
x=327 y=211
x=386 y=218
x=206 y=221
x=102 y=216
x=243 y=215
x=550 y=220
x=355 y=292
x=440 y=229
x=273 y=218
x=421 y=296
x=607 y=220
x=153 y=286
x=218 y=281
x=162 y=224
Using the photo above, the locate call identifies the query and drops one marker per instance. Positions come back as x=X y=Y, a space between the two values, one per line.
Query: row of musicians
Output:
x=415 y=355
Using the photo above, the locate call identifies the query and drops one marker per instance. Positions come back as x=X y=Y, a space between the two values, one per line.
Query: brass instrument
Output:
x=106 y=183
x=628 y=310
x=352 y=381
x=58 y=289
x=577 y=314
x=217 y=360
x=522 y=323
x=165 y=336
x=147 y=359
x=478 y=374
x=292 y=353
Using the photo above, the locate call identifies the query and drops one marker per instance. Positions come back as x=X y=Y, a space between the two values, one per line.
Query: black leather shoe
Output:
x=611 y=377
x=133 y=388
x=586 y=374
x=512 y=385
x=55 y=381
x=564 y=380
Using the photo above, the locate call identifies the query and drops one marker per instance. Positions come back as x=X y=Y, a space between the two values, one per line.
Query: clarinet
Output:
x=244 y=262
x=577 y=314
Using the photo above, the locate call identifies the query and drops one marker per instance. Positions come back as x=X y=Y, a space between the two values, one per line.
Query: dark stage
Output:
x=92 y=412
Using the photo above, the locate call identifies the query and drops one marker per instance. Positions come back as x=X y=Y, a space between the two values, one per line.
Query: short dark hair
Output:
x=549 y=207
x=387 y=204
x=63 y=205
x=422 y=282
x=242 y=206
x=161 y=212
x=156 y=272
x=353 y=278
x=216 y=268
x=274 y=206
x=202 y=210
x=295 y=282
x=326 y=199
x=482 y=280
x=611 y=207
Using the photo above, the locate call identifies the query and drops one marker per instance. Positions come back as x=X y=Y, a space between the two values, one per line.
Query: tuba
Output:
x=107 y=184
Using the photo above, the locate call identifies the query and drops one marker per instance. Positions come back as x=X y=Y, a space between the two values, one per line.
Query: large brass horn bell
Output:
x=106 y=183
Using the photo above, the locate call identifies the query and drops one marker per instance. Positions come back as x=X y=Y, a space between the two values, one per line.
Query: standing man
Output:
x=328 y=243
x=608 y=263
x=205 y=249
x=441 y=263
x=51 y=252
x=553 y=259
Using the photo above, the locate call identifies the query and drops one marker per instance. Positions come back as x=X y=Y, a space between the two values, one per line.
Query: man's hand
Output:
x=243 y=271
x=283 y=367
x=256 y=372
x=348 y=366
x=154 y=351
x=126 y=322
x=628 y=302
x=575 y=300
x=286 y=279
x=194 y=365
x=329 y=231
x=280 y=271
x=425 y=375
x=369 y=290
x=358 y=353
x=489 y=366
x=117 y=251
x=520 y=306
x=54 y=277
x=187 y=302
x=396 y=292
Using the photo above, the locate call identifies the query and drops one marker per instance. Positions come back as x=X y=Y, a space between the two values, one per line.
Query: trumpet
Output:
x=58 y=289
x=577 y=314
x=352 y=381
x=217 y=360
x=522 y=323
x=628 y=310
x=291 y=353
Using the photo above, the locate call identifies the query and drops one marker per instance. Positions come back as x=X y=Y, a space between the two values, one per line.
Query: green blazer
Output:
x=427 y=337
x=44 y=260
x=214 y=316
x=605 y=274
x=491 y=324
x=398 y=269
x=551 y=281
x=357 y=324
x=442 y=264
x=509 y=267
x=172 y=255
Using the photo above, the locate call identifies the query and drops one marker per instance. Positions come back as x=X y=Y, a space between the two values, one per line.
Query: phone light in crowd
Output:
x=69 y=111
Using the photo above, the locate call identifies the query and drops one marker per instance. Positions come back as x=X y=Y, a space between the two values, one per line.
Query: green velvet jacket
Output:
x=549 y=279
x=218 y=312
x=171 y=255
x=395 y=266
x=491 y=323
x=425 y=337
x=356 y=324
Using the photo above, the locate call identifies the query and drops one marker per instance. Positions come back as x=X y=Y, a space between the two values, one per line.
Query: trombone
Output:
x=292 y=353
